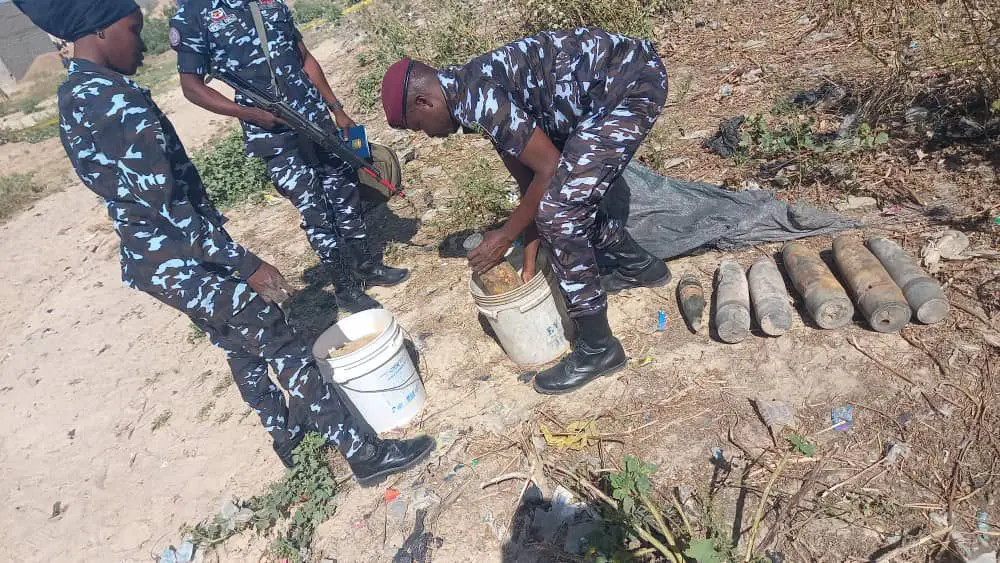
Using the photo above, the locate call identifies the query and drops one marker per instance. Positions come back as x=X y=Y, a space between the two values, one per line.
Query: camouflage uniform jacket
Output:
x=211 y=34
x=126 y=151
x=554 y=80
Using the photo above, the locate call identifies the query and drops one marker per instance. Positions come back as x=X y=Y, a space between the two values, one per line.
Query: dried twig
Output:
x=760 y=507
x=853 y=342
x=891 y=555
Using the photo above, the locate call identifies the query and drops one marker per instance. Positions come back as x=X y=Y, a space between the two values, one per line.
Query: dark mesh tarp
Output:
x=671 y=217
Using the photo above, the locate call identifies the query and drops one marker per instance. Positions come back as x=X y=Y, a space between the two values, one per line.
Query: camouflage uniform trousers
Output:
x=593 y=158
x=326 y=196
x=259 y=336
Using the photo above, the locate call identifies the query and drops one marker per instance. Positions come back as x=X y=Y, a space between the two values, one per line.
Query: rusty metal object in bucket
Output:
x=879 y=298
x=825 y=299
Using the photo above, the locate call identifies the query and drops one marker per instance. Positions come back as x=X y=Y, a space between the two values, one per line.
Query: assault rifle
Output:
x=329 y=141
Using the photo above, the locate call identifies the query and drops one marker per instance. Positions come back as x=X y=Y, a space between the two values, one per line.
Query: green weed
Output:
x=304 y=499
x=229 y=175
x=480 y=198
x=37 y=133
x=306 y=11
x=17 y=191
x=156 y=32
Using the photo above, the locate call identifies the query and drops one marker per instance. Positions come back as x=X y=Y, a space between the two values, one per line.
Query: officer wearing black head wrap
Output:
x=173 y=245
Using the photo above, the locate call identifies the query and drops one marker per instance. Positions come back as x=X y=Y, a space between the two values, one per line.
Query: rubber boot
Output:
x=596 y=352
x=378 y=459
x=350 y=293
x=636 y=268
x=370 y=270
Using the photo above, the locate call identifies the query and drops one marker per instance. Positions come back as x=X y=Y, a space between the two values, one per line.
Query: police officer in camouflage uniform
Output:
x=222 y=34
x=566 y=111
x=173 y=245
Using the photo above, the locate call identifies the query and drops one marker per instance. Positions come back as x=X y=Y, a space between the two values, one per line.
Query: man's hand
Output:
x=262 y=118
x=268 y=282
x=490 y=252
x=344 y=121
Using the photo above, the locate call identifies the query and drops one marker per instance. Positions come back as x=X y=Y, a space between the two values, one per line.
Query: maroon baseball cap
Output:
x=394 y=92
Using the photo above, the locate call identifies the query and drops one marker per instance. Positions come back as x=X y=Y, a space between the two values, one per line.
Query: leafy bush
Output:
x=230 y=176
x=156 y=32
x=306 y=11
x=17 y=191
x=305 y=498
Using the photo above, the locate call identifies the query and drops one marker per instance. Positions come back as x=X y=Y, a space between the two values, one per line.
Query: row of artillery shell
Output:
x=874 y=276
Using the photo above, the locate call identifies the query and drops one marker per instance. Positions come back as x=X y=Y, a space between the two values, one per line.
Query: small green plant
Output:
x=17 y=191
x=37 y=133
x=229 y=175
x=480 y=199
x=631 y=483
x=29 y=104
x=304 y=499
x=156 y=32
x=196 y=334
x=311 y=10
x=869 y=138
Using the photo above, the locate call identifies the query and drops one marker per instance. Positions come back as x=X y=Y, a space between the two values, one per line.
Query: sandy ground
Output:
x=114 y=410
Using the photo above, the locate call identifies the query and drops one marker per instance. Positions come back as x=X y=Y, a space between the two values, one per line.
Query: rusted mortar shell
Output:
x=825 y=299
x=880 y=300
x=922 y=292
x=691 y=298
x=769 y=297
x=732 y=303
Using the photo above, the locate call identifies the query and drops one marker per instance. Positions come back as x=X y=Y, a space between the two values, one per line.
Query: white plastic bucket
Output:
x=379 y=378
x=528 y=321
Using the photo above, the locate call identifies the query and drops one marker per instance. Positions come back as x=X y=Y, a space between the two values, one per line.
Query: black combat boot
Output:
x=369 y=269
x=350 y=293
x=378 y=459
x=595 y=353
x=636 y=268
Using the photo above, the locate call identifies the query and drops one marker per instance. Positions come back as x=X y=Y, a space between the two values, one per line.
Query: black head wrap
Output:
x=72 y=19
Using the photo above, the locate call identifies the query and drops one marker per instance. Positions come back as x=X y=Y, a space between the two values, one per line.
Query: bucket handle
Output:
x=405 y=384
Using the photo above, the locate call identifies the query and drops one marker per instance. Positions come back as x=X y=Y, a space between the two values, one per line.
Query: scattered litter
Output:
x=938 y=519
x=578 y=435
x=418 y=545
x=983 y=526
x=804 y=19
x=485 y=377
x=904 y=419
x=640 y=362
x=823 y=97
x=474 y=463
x=725 y=91
x=842 y=418
x=855 y=202
x=702 y=133
x=58 y=509
x=424 y=498
x=182 y=554
x=391 y=494
x=527 y=376
x=896 y=453
x=359 y=524
x=726 y=142
x=949 y=245
x=445 y=440
x=915 y=114
x=751 y=76
x=676 y=161
x=396 y=510
x=454 y=471
x=661 y=321
x=717 y=455
x=776 y=415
